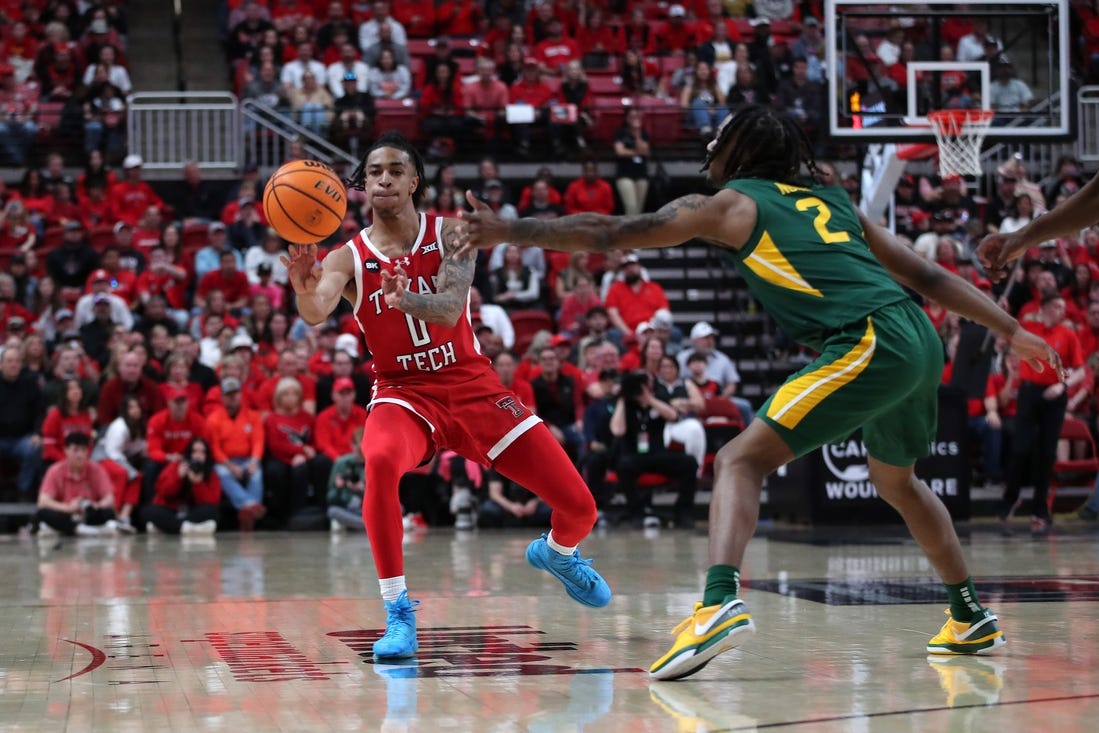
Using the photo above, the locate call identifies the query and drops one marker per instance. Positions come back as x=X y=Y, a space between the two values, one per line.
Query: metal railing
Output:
x=167 y=129
x=1087 y=124
x=267 y=135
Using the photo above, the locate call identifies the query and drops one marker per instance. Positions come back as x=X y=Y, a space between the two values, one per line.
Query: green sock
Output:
x=722 y=581
x=963 y=600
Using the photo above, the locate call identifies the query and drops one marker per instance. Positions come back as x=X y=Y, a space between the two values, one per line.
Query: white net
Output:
x=959 y=133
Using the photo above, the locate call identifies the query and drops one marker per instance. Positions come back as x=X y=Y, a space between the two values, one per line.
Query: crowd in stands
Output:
x=63 y=79
x=151 y=344
x=506 y=74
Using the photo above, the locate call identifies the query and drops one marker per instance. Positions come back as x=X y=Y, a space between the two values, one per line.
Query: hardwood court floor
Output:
x=272 y=632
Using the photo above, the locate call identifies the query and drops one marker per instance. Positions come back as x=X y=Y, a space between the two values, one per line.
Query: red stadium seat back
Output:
x=194 y=236
x=1075 y=471
x=605 y=85
x=527 y=323
x=101 y=237
x=394 y=114
x=721 y=411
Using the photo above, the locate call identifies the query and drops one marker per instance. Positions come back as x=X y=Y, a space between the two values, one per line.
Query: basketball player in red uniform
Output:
x=433 y=388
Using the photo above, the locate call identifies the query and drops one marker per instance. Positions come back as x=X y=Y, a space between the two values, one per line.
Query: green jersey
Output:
x=807 y=261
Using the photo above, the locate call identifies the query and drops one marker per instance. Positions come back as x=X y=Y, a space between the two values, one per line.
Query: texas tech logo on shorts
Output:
x=511 y=405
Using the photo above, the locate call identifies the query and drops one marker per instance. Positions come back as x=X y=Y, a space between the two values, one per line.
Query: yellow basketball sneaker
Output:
x=978 y=636
x=710 y=631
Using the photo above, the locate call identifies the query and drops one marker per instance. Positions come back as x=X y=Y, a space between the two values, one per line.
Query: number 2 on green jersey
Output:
x=820 y=222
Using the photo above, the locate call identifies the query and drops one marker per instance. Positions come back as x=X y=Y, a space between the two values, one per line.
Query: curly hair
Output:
x=763 y=144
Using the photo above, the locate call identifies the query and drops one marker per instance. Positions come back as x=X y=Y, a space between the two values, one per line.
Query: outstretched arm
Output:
x=318 y=290
x=1079 y=211
x=448 y=304
x=725 y=218
x=955 y=294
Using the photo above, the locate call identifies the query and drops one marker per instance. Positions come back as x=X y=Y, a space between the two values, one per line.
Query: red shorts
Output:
x=477 y=419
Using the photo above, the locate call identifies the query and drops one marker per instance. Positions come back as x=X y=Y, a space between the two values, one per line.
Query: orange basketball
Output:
x=305 y=201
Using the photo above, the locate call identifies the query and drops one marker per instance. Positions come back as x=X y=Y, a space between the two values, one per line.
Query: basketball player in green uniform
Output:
x=830 y=279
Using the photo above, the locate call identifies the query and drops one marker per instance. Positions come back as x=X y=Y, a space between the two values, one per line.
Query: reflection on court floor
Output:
x=273 y=632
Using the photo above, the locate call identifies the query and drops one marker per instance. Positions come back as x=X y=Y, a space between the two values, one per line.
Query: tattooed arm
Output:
x=726 y=219
x=448 y=303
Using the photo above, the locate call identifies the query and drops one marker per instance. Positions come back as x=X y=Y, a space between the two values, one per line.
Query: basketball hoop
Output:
x=959 y=133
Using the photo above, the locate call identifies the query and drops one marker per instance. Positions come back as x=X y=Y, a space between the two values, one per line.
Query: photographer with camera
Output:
x=188 y=493
x=638 y=425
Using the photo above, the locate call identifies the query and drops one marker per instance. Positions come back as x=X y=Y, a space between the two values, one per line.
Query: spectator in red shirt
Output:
x=121 y=282
x=232 y=283
x=676 y=34
x=1040 y=411
x=75 y=496
x=128 y=381
x=589 y=192
x=287 y=368
x=131 y=196
x=95 y=206
x=485 y=100
x=461 y=18
x=320 y=362
x=531 y=90
x=148 y=230
x=1089 y=333
x=575 y=305
x=599 y=40
x=70 y=415
x=338 y=422
x=10 y=308
x=556 y=49
x=292 y=473
x=163 y=279
x=417 y=17
x=188 y=494
x=633 y=300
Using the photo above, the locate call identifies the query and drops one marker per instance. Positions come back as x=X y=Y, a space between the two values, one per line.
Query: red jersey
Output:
x=166 y=436
x=408 y=350
x=57 y=426
x=1063 y=341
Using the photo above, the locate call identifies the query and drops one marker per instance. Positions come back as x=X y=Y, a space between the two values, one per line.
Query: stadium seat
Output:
x=608 y=114
x=722 y=422
x=399 y=115
x=101 y=237
x=663 y=121
x=1075 y=471
x=527 y=323
x=603 y=85
x=195 y=236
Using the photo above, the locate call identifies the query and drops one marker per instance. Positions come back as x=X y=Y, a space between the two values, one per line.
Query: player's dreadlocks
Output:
x=764 y=145
x=391 y=139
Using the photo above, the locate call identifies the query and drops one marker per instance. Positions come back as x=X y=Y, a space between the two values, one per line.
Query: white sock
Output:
x=558 y=547
x=392 y=587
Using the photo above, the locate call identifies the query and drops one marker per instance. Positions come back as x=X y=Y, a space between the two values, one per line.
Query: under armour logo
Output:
x=403 y=261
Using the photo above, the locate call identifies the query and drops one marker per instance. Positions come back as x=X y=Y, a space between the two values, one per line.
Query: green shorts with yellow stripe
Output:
x=881 y=375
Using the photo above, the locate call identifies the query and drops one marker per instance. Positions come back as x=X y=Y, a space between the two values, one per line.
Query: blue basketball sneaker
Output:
x=399 y=639
x=580 y=579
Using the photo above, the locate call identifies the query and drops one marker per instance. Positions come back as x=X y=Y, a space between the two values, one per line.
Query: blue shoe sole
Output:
x=399 y=655
x=535 y=559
